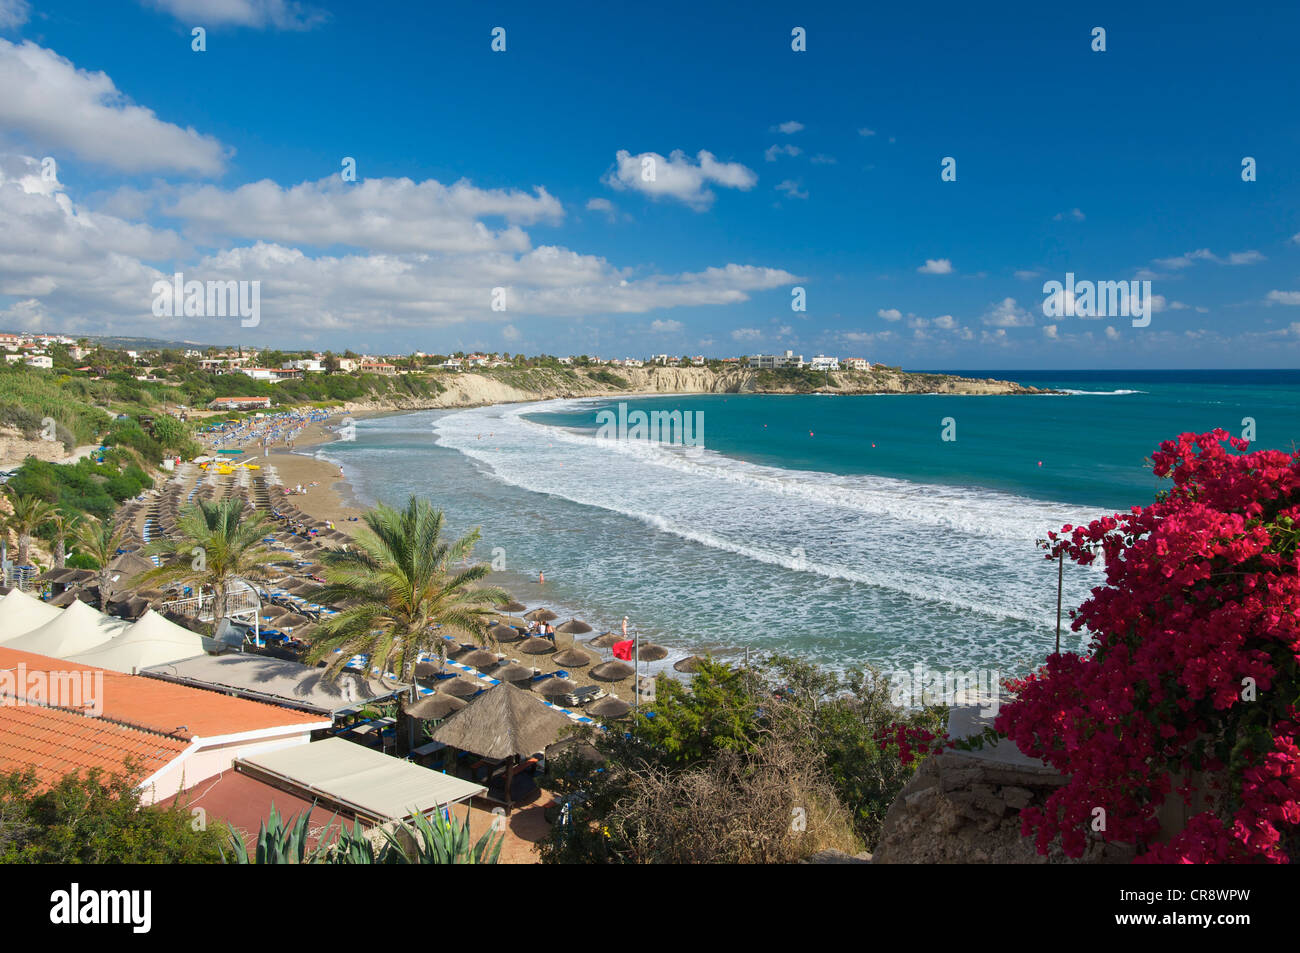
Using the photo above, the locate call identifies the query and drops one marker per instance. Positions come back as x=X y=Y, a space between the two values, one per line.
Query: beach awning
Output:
x=78 y=628
x=151 y=640
x=358 y=779
x=20 y=613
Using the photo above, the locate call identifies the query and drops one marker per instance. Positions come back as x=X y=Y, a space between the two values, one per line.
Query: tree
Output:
x=396 y=584
x=215 y=543
x=29 y=513
x=95 y=819
x=62 y=527
x=100 y=540
x=1191 y=671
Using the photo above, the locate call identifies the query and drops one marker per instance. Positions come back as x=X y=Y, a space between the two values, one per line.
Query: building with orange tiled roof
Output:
x=56 y=743
x=211 y=729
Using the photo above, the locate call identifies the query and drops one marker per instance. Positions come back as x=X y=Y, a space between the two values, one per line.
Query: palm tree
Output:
x=100 y=540
x=215 y=542
x=394 y=585
x=65 y=526
x=29 y=512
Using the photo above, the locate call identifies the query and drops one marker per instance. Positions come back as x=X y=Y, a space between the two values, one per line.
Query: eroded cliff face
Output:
x=469 y=389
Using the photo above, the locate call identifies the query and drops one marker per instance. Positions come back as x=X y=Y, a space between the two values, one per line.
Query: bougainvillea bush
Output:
x=1191 y=672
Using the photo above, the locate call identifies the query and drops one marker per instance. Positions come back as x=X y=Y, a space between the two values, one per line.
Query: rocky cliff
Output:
x=473 y=389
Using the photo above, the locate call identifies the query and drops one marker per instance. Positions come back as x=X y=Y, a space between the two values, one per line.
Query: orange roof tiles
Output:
x=56 y=743
x=167 y=707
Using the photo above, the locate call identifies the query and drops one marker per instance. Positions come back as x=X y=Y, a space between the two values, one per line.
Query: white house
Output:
x=775 y=361
x=823 y=363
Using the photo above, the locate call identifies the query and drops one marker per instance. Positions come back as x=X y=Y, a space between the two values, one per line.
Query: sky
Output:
x=630 y=179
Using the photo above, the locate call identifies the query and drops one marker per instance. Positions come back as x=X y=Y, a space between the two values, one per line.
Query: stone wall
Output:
x=963 y=808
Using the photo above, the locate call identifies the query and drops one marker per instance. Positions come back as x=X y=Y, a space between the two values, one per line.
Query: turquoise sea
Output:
x=842 y=529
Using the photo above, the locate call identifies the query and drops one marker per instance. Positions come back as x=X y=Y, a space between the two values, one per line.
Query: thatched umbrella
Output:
x=536 y=646
x=427 y=670
x=131 y=564
x=689 y=664
x=513 y=672
x=462 y=687
x=573 y=657
x=504 y=634
x=504 y=723
x=512 y=606
x=480 y=659
x=651 y=653
x=574 y=627
x=611 y=671
x=56 y=575
x=610 y=707
x=541 y=615
x=554 y=686
x=606 y=640
x=434 y=707
x=291 y=620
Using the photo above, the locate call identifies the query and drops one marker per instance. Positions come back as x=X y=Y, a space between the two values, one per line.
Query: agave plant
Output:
x=278 y=842
x=440 y=841
x=426 y=841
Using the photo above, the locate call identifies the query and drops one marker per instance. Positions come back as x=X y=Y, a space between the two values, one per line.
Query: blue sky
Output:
x=520 y=169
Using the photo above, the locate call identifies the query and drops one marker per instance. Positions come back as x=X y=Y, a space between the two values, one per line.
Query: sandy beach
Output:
x=328 y=496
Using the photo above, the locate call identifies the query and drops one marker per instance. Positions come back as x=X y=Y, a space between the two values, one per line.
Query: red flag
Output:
x=623 y=650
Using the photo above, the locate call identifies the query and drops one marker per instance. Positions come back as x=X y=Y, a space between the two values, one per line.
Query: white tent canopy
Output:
x=358 y=779
x=20 y=613
x=78 y=628
x=150 y=640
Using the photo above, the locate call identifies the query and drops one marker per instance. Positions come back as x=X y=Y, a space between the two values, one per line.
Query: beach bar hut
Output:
x=505 y=724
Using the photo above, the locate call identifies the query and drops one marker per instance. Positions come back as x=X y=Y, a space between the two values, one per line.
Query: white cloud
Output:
x=604 y=206
x=1049 y=332
x=93 y=271
x=1187 y=259
x=791 y=188
x=946 y=322
x=395 y=215
x=1283 y=297
x=889 y=314
x=1025 y=274
x=789 y=128
x=866 y=132
x=1074 y=214
x=59 y=108
x=666 y=327
x=936 y=266
x=260 y=14
x=1008 y=314
x=746 y=334
x=677 y=177
x=14 y=13
x=820 y=159
x=510 y=333
x=773 y=152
